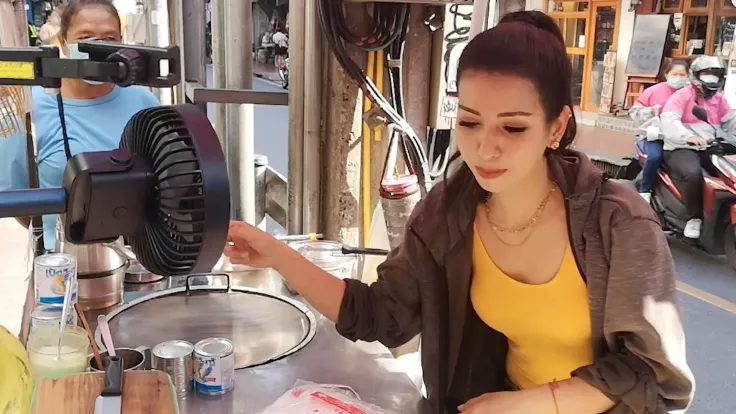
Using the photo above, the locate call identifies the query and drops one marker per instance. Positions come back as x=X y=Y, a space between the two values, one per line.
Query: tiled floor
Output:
x=13 y=244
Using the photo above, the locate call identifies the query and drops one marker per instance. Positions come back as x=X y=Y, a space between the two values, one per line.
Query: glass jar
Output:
x=328 y=256
x=45 y=358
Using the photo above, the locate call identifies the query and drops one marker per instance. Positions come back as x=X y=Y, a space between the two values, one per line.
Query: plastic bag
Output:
x=651 y=129
x=310 y=398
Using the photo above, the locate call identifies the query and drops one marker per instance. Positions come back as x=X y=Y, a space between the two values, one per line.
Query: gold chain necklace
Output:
x=514 y=230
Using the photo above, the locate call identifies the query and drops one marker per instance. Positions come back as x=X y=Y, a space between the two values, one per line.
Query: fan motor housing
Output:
x=107 y=193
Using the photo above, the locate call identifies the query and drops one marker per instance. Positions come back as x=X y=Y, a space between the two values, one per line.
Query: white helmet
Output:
x=709 y=74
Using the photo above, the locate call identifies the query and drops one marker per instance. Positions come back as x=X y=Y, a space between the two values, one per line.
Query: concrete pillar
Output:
x=418 y=63
x=341 y=169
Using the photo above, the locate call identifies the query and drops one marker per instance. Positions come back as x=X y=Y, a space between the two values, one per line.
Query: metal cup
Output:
x=133 y=359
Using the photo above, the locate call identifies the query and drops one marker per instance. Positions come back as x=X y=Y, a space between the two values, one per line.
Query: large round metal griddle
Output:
x=262 y=326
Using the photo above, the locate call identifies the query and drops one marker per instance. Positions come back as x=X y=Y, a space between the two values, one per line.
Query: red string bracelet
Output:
x=552 y=387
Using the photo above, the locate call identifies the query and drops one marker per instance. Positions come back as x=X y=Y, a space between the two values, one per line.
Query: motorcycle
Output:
x=718 y=231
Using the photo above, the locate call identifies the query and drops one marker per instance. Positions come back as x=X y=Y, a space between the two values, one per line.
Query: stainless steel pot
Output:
x=92 y=259
x=101 y=290
x=100 y=270
x=136 y=273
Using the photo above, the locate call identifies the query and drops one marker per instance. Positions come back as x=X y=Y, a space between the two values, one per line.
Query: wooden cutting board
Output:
x=144 y=392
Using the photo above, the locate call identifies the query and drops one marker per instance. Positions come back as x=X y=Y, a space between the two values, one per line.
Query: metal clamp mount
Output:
x=108 y=62
x=189 y=287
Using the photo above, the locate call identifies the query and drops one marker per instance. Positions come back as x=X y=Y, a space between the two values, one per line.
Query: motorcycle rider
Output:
x=686 y=138
x=645 y=113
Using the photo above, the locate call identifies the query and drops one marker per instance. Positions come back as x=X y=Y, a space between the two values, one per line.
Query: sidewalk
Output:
x=266 y=71
x=13 y=243
x=604 y=143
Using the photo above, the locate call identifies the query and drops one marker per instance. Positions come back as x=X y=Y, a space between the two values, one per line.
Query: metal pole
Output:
x=218 y=65
x=297 y=21
x=193 y=33
x=246 y=163
x=176 y=37
x=261 y=165
x=157 y=16
x=312 y=119
x=239 y=75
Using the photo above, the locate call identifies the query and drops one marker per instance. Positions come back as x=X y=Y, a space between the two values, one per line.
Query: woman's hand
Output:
x=511 y=402
x=251 y=246
x=700 y=142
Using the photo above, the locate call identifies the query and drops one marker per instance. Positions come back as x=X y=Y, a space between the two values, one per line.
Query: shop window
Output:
x=566 y=6
x=727 y=7
x=723 y=39
x=696 y=29
x=573 y=31
x=697 y=5
x=672 y=6
x=675 y=35
x=578 y=68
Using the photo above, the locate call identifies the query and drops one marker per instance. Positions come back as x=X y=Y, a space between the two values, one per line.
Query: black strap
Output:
x=60 y=105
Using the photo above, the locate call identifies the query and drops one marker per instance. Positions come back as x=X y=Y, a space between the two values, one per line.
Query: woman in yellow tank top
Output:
x=536 y=286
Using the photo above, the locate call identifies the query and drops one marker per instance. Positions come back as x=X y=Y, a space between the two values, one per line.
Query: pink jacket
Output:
x=642 y=111
x=656 y=95
x=679 y=124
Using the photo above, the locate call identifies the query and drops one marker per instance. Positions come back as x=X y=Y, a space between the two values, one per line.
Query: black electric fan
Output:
x=166 y=187
x=184 y=222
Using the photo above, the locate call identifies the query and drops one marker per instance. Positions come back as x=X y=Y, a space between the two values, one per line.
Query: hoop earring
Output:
x=555 y=145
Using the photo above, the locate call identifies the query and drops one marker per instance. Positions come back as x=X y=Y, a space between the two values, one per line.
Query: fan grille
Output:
x=174 y=230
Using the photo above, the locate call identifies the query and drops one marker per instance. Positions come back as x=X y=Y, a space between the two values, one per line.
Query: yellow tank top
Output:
x=548 y=326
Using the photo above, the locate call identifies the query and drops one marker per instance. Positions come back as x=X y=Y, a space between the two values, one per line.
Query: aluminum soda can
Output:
x=51 y=274
x=214 y=366
x=175 y=359
x=50 y=315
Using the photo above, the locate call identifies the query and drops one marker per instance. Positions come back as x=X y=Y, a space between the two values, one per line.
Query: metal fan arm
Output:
x=35 y=202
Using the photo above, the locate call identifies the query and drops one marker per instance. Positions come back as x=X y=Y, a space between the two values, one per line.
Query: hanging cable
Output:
x=331 y=19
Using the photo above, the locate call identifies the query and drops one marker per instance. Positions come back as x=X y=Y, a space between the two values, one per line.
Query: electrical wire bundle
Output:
x=386 y=30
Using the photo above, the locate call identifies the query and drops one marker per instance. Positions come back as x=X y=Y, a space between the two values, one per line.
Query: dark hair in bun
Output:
x=527 y=44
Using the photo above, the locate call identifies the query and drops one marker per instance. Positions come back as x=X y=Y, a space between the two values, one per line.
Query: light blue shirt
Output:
x=92 y=125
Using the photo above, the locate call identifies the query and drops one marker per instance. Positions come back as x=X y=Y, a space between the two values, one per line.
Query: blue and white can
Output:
x=214 y=366
x=52 y=273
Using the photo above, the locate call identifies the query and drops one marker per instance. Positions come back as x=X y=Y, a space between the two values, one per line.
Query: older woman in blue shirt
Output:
x=95 y=113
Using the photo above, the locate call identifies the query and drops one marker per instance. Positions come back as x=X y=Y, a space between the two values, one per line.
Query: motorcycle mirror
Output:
x=700 y=113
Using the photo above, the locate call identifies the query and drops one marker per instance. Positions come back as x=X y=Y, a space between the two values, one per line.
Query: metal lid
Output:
x=47 y=312
x=262 y=327
x=173 y=349
x=55 y=259
x=325 y=254
x=214 y=347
